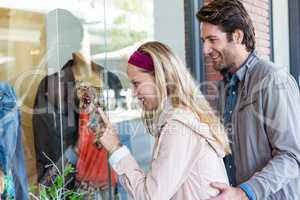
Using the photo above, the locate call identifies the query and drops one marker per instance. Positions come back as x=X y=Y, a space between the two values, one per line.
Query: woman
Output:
x=190 y=140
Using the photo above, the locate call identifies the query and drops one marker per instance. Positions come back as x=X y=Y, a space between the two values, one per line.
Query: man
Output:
x=261 y=109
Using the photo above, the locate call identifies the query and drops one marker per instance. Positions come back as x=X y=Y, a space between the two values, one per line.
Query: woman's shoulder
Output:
x=182 y=114
x=184 y=118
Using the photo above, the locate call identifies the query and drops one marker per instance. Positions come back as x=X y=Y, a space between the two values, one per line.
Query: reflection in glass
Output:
x=128 y=24
x=62 y=114
x=45 y=51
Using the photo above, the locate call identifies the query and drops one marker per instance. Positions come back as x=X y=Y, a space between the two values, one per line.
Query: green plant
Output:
x=57 y=190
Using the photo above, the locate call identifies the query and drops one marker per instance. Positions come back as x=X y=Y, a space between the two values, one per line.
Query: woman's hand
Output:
x=109 y=138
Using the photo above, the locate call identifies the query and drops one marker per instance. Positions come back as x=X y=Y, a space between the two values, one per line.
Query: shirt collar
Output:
x=251 y=60
x=248 y=64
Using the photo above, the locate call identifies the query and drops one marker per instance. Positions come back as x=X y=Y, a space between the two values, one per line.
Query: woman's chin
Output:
x=147 y=107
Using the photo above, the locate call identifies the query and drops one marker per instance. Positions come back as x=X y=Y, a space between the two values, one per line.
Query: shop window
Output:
x=64 y=59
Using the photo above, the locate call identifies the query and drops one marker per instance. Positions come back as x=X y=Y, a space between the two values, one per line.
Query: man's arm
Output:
x=281 y=106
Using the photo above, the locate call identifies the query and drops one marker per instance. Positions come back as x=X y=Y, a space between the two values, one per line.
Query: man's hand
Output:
x=228 y=193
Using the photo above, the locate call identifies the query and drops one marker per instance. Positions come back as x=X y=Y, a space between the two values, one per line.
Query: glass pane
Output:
x=129 y=23
x=65 y=58
x=21 y=67
x=72 y=91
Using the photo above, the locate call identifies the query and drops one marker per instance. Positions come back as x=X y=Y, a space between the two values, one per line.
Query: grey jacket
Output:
x=266 y=132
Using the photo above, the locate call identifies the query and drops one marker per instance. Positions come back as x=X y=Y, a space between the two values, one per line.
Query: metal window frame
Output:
x=194 y=57
x=294 y=31
x=271 y=30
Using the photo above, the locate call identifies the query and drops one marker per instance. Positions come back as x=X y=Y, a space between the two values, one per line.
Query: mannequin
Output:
x=57 y=114
x=85 y=70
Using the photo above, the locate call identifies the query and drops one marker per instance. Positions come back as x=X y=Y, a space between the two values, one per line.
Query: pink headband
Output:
x=141 y=60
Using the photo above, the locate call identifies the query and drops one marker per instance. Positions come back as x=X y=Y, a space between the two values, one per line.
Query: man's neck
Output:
x=240 y=60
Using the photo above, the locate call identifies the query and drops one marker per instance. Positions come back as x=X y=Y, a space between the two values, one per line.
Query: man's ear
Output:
x=238 y=36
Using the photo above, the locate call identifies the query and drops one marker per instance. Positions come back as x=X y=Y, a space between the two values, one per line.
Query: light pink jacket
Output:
x=186 y=159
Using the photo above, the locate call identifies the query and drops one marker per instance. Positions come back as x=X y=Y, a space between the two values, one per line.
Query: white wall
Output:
x=281 y=33
x=169 y=24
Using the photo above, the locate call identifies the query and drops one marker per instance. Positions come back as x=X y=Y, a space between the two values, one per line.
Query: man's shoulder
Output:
x=267 y=74
x=266 y=70
x=265 y=67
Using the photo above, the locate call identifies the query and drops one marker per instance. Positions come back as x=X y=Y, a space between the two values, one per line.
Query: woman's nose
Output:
x=134 y=92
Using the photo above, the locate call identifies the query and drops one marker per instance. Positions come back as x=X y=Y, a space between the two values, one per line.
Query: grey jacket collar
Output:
x=247 y=65
x=245 y=70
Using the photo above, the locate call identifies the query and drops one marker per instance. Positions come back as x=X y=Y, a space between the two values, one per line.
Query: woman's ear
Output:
x=238 y=36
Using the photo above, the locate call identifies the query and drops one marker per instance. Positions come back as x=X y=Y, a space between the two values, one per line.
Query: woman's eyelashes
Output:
x=135 y=84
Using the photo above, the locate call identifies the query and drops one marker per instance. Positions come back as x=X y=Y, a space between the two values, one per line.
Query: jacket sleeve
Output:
x=39 y=107
x=11 y=146
x=281 y=106
x=18 y=166
x=9 y=126
x=173 y=158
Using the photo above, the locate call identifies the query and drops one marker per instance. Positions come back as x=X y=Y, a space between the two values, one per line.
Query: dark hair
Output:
x=229 y=15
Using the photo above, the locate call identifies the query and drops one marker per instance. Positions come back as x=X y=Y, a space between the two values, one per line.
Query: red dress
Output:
x=92 y=164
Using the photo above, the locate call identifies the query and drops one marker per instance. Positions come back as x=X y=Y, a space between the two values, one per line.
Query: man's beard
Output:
x=211 y=63
x=220 y=63
x=221 y=67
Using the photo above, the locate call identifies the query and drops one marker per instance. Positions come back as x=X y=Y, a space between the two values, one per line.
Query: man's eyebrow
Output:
x=208 y=37
x=211 y=37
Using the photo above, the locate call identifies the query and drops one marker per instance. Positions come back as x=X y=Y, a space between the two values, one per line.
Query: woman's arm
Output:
x=176 y=152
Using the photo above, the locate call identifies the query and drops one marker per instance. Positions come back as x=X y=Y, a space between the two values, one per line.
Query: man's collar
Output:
x=251 y=60
x=248 y=64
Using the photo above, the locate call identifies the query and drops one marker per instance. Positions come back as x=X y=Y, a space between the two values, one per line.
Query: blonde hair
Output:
x=174 y=82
